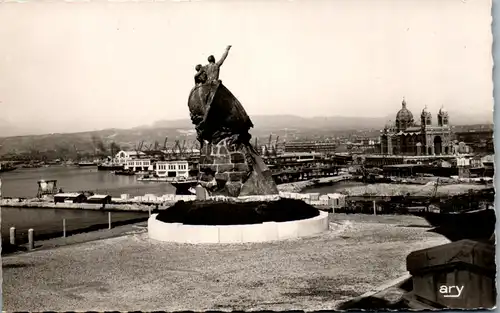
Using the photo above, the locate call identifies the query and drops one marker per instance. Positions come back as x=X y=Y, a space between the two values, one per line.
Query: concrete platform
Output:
x=271 y=231
x=135 y=273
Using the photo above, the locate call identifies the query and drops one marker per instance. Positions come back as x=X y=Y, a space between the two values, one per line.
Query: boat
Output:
x=107 y=166
x=152 y=177
x=184 y=187
x=224 y=110
x=6 y=167
x=32 y=165
x=125 y=172
x=86 y=164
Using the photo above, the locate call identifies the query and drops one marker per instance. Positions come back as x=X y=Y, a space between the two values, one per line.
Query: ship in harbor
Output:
x=109 y=166
x=185 y=187
x=6 y=167
x=124 y=172
x=86 y=164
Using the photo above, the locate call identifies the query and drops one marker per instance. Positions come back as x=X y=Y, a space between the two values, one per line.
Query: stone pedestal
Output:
x=201 y=193
x=467 y=264
x=236 y=169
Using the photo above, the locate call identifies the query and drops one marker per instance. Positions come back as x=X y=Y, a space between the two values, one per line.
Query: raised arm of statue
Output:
x=224 y=56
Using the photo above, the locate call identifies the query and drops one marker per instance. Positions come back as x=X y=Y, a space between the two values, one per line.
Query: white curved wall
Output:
x=181 y=233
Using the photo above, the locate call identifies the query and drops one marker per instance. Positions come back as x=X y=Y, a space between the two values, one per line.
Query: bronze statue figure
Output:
x=201 y=75
x=215 y=112
x=213 y=68
x=228 y=164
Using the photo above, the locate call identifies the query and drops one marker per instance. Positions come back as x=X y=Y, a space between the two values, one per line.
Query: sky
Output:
x=76 y=66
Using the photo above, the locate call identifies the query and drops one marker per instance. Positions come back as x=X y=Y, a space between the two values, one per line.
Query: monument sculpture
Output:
x=229 y=164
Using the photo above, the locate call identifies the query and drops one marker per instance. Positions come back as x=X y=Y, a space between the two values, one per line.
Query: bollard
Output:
x=109 y=220
x=149 y=209
x=374 y=208
x=64 y=227
x=13 y=236
x=31 y=242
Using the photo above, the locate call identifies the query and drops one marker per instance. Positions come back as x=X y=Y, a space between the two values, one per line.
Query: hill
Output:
x=337 y=123
x=291 y=126
x=292 y=121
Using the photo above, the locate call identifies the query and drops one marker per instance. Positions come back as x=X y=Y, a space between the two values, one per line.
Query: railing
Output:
x=26 y=235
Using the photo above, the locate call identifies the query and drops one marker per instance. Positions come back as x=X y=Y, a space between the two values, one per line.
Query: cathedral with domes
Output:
x=407 y=137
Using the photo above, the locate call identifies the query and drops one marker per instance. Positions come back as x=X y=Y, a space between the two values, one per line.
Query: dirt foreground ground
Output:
x=132 y=272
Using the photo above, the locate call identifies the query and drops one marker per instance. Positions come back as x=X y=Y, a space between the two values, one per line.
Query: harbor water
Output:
x=22 y=183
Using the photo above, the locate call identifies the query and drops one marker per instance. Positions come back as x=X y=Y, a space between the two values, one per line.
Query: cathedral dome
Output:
x=425 y=113
x=442 y=111
x=404 y=116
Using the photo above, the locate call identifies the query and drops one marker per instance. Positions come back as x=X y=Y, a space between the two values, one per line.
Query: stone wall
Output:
x=228 y=164
x=234 y=170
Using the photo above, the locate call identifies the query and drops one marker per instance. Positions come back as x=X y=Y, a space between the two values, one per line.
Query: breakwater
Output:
x=149 y=202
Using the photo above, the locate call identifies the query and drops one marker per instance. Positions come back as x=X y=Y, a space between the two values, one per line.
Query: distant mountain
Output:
x=285 y=126
x=292 y=122
x=329 y=122
x=275 y=122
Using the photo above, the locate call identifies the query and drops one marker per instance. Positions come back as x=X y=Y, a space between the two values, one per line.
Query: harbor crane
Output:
x=275 y=152
x=194 y=146
x=268 y=148
x=175 y=150
x=183 y=152
x=178 y=149
x=165 y=144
